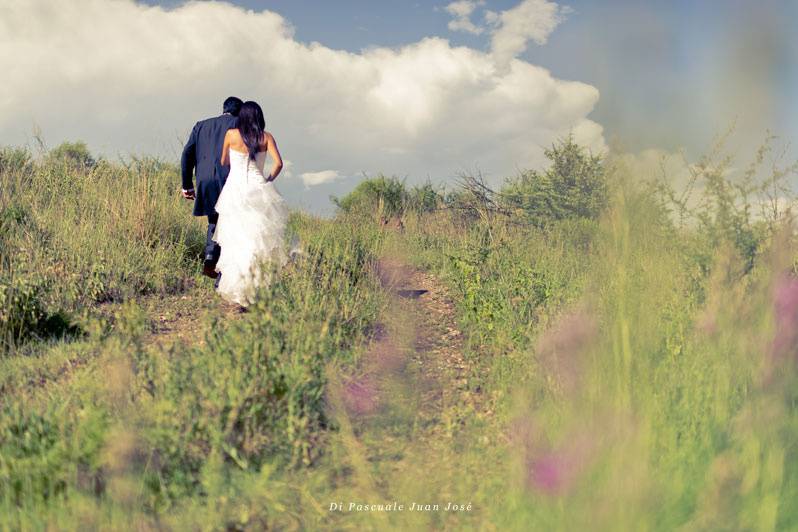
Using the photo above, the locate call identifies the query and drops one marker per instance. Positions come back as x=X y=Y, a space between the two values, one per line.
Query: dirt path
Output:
x=186 y=317
x=405 y=409
x=418 y=342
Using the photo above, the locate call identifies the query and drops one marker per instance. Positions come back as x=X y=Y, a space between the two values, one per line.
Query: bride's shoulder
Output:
x=233 y=137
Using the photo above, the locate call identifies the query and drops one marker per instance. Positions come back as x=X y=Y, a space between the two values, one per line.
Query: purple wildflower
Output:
x=785 y=299
x=360 y=396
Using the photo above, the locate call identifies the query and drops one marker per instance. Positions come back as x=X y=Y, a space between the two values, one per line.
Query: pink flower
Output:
x=556 y=471
x=553 y=469
x=360 y=396
x=785 y=299
x=548 y=473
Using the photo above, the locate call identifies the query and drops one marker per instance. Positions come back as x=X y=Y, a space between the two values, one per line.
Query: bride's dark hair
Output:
x=251 y=125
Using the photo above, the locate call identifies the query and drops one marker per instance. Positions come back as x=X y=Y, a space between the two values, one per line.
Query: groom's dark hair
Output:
x=232 y=105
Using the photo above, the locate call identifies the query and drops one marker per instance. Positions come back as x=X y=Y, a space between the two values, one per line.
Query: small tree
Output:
x=574 y=186
x=386 y=195
x=73 y=154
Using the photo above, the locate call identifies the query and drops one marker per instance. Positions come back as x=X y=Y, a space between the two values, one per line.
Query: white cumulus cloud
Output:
x=317 y=178
x=530 y=20
x=461 y=12
x=126 y=77
x=512 y=29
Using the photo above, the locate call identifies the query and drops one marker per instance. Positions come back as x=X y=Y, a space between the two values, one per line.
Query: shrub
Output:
x=22 y=308
x=384 y=196
x=726 y=207
x=14 y=159
x=424 y=198
x=75 y=154
x=574 y=186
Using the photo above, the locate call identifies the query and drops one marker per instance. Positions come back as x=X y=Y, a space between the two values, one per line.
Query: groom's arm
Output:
x=189 y=160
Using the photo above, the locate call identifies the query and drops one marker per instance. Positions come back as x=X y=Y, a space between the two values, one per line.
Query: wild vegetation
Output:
x=623 y=349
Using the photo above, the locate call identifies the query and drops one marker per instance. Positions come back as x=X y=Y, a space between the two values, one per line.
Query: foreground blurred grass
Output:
x=643 y=371
x=637 y=373
x=139 y=427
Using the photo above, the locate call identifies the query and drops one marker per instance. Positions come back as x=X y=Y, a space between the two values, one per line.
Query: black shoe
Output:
x=209 y=269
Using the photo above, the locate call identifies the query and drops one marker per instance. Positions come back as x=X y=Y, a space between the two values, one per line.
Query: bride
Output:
x=252 y=213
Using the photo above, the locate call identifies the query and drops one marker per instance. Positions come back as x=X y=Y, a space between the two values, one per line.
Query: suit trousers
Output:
x=212 y=249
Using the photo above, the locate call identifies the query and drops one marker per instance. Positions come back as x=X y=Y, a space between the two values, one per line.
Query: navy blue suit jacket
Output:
x=203 y=152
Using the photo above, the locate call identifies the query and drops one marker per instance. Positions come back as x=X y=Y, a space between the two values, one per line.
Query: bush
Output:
x=74 y=154
x=387 y=197
x=14 y=159
x=384 y=196
x=21 y=308
x=738 y=209
x=574 y=186
x=424 y=198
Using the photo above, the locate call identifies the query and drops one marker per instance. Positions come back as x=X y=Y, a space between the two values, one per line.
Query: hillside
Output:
x=578 y=349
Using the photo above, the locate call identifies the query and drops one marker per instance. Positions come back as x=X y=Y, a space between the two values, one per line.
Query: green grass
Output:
x=74 y=236
x=631 y=373
x=140 y=425
x=636 y=376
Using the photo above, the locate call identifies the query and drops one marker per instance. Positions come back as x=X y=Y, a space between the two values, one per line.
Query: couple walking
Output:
x=246 y=214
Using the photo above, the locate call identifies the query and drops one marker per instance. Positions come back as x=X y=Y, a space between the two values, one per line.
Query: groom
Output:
x=203 y=151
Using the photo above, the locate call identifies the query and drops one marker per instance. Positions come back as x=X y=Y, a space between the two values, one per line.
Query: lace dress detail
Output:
x=250 y=230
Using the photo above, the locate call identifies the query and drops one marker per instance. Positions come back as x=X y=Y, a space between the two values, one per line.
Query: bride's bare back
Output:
x=234 y=141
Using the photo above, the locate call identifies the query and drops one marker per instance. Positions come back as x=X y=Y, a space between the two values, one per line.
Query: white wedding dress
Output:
x=250 y=229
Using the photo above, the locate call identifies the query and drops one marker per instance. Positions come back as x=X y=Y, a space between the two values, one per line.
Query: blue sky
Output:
x=421 y=90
